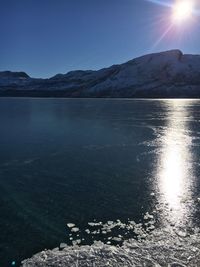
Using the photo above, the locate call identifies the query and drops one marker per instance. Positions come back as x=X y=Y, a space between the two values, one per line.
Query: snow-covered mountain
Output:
x=165 y=74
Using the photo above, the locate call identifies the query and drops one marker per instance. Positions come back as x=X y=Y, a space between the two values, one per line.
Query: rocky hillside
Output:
x=165 y=74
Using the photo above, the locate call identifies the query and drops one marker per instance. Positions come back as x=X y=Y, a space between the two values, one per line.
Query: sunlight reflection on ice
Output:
x=174 y=177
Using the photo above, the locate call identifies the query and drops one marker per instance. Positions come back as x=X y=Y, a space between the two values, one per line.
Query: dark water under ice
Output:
x=85 y=160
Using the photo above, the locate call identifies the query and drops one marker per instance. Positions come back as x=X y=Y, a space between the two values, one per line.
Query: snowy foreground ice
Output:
x=169 y=247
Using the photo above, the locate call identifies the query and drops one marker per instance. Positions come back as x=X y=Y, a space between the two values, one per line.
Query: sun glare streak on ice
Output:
x=174 y=170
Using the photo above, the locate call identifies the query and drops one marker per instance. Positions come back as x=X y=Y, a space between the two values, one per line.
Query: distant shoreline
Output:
x=63 y=96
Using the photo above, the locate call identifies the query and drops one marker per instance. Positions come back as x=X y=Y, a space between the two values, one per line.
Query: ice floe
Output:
x=160 y=248
x=151 y=247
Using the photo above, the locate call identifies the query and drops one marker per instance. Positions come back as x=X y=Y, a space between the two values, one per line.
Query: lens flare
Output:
x=182 y=10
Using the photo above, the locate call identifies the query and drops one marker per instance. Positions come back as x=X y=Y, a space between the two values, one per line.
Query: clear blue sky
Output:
x=45 y=37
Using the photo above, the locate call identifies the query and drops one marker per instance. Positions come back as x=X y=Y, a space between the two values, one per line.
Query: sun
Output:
x=182 y=10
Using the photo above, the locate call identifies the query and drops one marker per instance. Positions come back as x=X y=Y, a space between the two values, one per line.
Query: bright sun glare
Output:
x=182 y=10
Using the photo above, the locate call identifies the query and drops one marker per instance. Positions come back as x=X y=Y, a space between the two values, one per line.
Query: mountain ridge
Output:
x=165 y=74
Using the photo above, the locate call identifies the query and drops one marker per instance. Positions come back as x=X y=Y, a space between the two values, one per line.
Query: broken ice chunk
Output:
x=87 y=231
x=75 y=229
x=70 y=225
x=117 y=239
x=181 y=233
x=63 y=245
x=95 y=224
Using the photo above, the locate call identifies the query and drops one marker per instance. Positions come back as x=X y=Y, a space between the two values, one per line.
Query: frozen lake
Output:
x=95 y=160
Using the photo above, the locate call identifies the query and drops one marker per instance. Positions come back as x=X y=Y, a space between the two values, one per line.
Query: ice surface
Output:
x=160 y=249
x=167 y=247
